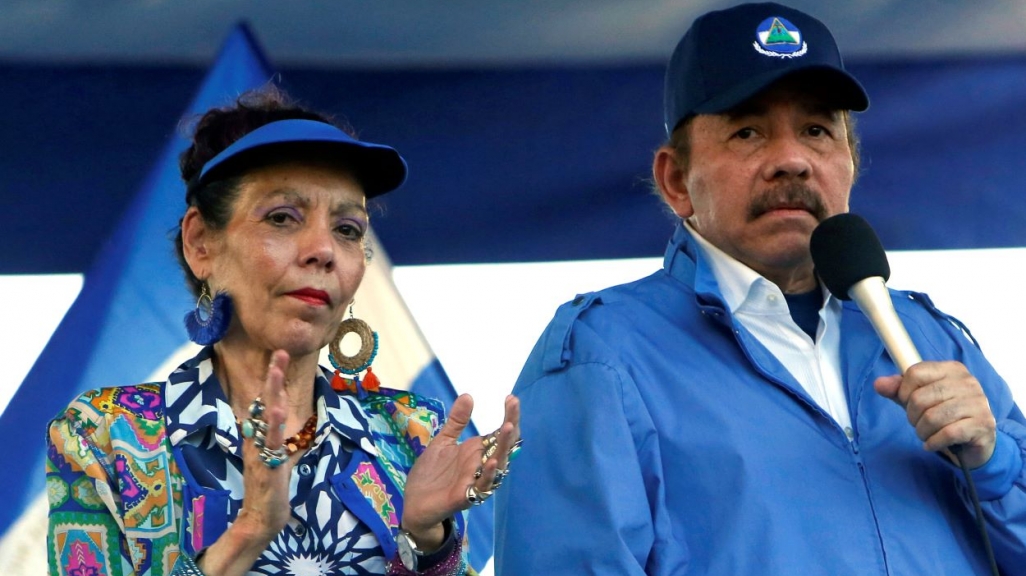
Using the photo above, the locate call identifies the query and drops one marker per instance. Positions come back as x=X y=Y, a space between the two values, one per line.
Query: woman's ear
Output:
x=197 y=243
x=669 y=178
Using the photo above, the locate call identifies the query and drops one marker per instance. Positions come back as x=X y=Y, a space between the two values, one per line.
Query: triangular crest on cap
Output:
x=779 y=38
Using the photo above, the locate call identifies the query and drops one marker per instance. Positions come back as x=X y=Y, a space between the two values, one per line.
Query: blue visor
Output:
x=377 y=167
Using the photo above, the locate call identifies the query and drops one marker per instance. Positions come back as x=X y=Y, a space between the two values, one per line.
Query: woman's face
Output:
x=292 y=255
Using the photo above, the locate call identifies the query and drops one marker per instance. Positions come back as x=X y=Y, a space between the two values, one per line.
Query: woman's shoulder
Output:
x=378 y=399
x=92 y=414
x=139 y=401
x=400 y=414
x=392 y=399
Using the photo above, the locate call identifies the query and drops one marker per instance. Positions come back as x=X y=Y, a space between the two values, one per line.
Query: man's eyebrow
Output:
x=746 y=109
x=814 y=106
x=820 y=108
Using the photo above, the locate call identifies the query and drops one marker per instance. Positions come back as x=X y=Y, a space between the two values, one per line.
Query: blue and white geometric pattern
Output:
x=323 y=536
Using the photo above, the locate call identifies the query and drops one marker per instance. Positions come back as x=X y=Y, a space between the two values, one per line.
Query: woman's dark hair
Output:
x=217 y=129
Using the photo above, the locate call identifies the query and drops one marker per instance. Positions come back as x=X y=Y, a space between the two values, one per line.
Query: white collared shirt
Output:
x=760 y=307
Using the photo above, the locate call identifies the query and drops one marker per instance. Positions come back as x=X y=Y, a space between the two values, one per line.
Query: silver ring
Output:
x=500 y=475
x=514 y=450
x=273 y=458
x=477 y=497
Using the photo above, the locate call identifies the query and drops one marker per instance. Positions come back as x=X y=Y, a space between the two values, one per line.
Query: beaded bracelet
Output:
x=454 y=565
x=186 y=566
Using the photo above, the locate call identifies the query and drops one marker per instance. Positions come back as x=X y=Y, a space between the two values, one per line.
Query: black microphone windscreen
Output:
x=845 y=250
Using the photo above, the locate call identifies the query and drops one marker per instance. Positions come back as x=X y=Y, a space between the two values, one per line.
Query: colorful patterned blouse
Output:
x=138 y=475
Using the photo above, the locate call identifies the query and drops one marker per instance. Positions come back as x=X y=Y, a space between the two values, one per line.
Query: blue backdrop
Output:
x=521 y=164
x=511 y=164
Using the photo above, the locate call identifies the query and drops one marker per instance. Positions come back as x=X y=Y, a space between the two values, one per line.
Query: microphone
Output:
x=851 y=262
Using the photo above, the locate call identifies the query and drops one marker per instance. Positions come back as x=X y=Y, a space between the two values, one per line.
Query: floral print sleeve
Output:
x=111 y=486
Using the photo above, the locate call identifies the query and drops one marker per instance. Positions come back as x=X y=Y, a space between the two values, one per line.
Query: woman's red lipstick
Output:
x=311 y=296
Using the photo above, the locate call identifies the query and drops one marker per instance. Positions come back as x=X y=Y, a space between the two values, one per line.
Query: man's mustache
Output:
x=794 y=196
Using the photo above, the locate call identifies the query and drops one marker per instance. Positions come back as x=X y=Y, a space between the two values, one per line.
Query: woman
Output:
x=251 y=458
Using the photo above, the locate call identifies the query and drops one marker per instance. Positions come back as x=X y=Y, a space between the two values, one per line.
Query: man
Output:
x=726 y=415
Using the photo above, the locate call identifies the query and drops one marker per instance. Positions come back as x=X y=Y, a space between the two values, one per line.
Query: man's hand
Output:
x=947 y=407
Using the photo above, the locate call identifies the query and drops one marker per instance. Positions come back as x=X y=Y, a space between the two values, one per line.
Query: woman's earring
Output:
x=368 y=346
x=208 y=322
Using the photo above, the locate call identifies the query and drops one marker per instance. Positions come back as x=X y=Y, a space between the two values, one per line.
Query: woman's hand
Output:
x=265 y=505
x=437 y=486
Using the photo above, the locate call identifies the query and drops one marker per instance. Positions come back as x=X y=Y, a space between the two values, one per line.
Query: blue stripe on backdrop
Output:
x=127 y=318
x=527 y=164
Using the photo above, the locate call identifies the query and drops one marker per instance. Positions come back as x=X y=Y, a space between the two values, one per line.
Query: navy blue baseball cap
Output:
x=377 y=167
x=728 y=56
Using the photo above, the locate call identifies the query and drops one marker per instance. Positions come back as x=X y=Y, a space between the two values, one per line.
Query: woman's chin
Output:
x=299 y=343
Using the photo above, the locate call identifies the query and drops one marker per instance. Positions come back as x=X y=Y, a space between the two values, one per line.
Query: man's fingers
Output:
x=901 y=388
x=925 y=399
x=967 y=431
x=887 y=386
x=973 y=414
x=935 y=418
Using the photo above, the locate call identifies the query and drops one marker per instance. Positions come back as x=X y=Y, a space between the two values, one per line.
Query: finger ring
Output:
x=248 y=428
x=254 y=428
x=256 y=409
x=478 y=472
x=273 y=458
x=490 y=439
x=514 y=449
x=488 y=453
x=500 y=475
x=477 y=497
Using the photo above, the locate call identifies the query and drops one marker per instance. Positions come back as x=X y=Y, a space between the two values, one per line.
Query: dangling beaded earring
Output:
x=208 y=322
x=359 y=362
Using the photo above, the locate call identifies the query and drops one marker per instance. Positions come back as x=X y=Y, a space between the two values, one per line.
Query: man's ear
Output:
x=669 y=177
x=197 y=243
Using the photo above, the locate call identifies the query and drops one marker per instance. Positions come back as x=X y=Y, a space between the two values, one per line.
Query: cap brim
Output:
x=377 y=167
x=841 y=88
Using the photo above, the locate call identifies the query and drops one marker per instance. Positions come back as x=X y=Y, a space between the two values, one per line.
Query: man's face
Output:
x=762 y=176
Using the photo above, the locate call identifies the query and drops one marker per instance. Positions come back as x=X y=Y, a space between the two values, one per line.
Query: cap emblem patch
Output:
x=777 y=37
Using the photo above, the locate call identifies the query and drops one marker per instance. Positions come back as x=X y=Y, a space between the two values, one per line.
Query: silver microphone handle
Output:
x=874 y=300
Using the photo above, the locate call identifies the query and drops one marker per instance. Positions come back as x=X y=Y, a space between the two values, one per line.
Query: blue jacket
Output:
x=662 y=438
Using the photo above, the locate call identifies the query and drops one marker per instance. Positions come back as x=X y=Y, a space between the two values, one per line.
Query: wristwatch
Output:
x=409 y=554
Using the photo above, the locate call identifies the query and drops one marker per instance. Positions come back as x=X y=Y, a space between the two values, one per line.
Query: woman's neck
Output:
x=242 y=371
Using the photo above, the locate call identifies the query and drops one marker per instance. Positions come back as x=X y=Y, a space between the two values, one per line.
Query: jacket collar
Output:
x=197 y=410
x=685 y=262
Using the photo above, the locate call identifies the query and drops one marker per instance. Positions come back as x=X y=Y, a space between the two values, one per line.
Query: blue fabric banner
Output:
x=127 y=318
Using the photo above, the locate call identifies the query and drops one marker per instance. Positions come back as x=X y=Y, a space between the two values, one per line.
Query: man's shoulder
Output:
x=599 y=325
x=615 y=300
